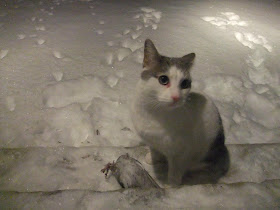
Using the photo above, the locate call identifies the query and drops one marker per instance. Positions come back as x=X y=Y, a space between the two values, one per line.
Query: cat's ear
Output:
x=151 y=55
x=187 y=60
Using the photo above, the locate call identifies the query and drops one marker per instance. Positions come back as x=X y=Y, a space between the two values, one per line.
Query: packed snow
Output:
x=68 y=70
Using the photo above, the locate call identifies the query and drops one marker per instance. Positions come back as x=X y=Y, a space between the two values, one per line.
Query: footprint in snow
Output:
x=21 y=36
x=122 y=53
x=110 y=43
x=57 y=54
x=3 y=53
x=112 y=81
x=126 y=31
x=40 y=41
x=109 y=58
x=40 y=28
x=135 y=35
x=32 y=35
x=57 y=75
x=100 y=32
x=138 y=27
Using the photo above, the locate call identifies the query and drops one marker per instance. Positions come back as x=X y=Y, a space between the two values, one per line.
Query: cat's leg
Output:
x=154 y=157
x=176 y=170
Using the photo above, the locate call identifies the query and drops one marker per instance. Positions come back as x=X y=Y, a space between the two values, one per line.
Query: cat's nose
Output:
x=175 y=98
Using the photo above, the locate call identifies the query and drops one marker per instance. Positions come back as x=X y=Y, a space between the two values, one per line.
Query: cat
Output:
x=180 y=126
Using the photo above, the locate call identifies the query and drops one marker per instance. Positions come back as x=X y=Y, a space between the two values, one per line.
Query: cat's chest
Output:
x=177 y=124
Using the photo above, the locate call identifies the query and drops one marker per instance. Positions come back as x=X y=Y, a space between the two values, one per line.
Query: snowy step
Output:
x=67 y=168
x=220 y=196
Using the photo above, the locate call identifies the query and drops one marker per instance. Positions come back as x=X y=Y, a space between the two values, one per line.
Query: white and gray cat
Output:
x=179 y=126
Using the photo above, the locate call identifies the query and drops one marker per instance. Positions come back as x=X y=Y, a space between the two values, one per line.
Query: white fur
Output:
x=183 y=133
x=175 y=77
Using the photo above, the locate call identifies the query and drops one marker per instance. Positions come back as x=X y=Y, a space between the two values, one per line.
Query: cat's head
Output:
x=165 y=81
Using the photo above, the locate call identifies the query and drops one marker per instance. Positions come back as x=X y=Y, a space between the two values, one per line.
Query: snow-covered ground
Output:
x=68 y=70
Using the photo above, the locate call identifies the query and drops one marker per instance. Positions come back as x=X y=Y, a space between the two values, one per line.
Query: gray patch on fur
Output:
x=156 y=64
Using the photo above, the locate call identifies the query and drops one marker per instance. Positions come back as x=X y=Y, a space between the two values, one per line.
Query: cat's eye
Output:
x=164 y=80
x=186 y=84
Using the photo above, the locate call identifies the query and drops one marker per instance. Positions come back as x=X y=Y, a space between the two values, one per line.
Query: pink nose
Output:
x=175 y=98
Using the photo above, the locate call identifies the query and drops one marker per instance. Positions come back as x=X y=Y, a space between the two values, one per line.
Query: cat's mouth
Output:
x=175 y=104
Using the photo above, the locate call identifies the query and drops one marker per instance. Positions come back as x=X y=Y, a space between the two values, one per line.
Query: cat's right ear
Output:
x=151 y=55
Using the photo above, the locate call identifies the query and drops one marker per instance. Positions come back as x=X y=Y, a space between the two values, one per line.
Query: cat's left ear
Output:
x=188 y=60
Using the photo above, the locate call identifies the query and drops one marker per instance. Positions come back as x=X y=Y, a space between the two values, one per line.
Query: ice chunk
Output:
x=126 y=31
x=268 y=47
x=261 y=89
x=100 y=32
x=40 y=41
x=109 y=58
x=147 y=9
x=32 y=35
x=138 y=57
x=57 y=54
x=57 y=75
x=112 y=81
x=154 y=26
x=74 y=91
x=208 y=19
x=262 y=111
x=157 y=14
x=238 y=36
x=234 y=17
x=40 y=28
x=138 y=27
x=10 y=103
x=132 y=44
x=3 y=53
x=21 y=36
x=135 y=35
x=137 y=16
x=242 y=23
x=122 y=53
x=110 y=43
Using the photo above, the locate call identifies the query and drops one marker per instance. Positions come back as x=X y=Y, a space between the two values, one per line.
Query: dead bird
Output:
x=130 y=173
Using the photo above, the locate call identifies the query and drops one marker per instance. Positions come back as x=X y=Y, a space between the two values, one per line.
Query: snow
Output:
x=10 y=103
x=79 y=168
x=3 y=53
x=73 y=91
x=40 y=41
x=68 y=71
x=57 y=75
